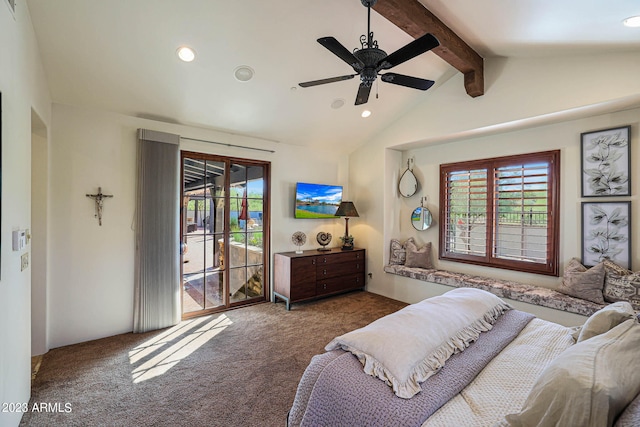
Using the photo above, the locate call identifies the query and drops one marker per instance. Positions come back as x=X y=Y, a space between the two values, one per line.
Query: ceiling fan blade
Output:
x=407 y=81
x=341 y=52
x=325 y=81
x=411 y=50
x=363 y=94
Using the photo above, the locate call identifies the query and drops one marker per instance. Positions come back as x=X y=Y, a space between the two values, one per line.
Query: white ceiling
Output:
x=120 y=56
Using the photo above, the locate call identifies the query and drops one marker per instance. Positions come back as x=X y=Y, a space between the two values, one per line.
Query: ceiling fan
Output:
x=368 y=61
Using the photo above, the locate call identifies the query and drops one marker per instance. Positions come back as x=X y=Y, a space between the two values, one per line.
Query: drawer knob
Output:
x=324 y=286
x=324 y=272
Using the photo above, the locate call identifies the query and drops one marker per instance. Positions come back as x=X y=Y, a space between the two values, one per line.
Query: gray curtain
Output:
x=157 y=269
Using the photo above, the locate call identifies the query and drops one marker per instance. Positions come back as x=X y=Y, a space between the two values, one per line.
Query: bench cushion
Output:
x=516 y=291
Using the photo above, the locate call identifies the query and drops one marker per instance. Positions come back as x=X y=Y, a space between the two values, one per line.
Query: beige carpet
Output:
x=240 y=368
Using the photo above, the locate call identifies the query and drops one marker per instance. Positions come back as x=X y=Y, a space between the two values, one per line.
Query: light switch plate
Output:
x=19 y=239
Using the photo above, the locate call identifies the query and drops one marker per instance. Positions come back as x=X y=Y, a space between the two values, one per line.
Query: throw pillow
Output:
x=398 y=254
x=418 y=257
x=580 y=282
x=588 y=384
x=621 y=284
x=604 y=320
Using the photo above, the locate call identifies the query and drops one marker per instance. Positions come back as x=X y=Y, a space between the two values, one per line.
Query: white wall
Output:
x=92 y=267
x=530 y=105
x=23 y=87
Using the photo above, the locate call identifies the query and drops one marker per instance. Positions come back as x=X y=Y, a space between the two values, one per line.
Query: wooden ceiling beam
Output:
x=412 y=17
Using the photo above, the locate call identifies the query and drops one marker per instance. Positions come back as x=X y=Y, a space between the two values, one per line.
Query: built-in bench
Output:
x=516 y=291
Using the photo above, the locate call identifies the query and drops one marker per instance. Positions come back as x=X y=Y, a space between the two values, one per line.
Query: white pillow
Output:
x=604 y=320
x=588 y=385
x=407 y=347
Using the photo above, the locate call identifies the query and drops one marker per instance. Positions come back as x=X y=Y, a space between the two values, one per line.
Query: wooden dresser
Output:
x=314 y=274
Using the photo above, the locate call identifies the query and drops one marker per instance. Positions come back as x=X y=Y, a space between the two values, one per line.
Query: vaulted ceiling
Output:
x=120 y=56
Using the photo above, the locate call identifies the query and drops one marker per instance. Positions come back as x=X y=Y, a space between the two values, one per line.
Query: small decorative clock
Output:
x=299 y=238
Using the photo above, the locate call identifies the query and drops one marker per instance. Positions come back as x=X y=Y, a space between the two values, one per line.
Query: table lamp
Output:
x=347 y=209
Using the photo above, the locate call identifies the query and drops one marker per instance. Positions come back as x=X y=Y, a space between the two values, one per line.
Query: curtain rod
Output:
x=229 y=145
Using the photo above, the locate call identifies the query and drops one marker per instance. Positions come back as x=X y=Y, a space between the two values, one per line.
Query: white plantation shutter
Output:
x=466 y=216
x=521 y=212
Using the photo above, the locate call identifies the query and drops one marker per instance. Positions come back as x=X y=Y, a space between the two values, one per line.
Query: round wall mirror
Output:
x=408 y=184
x=421 y=218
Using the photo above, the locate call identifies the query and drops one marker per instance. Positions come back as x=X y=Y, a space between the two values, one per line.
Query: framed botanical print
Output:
x=606 y=231
x=606 y=162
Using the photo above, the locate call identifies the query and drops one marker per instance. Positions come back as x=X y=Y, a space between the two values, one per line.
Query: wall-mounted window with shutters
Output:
x=502 y=212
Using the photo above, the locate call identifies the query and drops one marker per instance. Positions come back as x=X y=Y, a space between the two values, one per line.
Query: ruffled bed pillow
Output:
x=406 y=347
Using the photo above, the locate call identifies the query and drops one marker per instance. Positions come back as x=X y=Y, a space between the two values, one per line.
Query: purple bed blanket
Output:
x=335 y=391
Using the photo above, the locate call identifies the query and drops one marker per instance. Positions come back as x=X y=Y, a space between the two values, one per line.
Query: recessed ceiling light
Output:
x=186 y=53
x=243 y=73
x=633 y=21
x=366 y=113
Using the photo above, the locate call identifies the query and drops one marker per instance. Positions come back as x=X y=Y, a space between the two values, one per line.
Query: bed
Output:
x=466 y=358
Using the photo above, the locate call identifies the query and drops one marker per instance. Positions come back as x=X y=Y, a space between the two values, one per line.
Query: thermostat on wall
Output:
x=19 y=239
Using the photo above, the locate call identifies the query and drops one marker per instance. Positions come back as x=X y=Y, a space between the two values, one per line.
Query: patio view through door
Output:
x=224 y=231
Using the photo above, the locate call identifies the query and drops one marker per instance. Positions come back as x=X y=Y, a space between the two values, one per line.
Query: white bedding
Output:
x=519 y=364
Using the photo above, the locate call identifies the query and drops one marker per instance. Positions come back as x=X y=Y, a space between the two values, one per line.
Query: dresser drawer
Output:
x=303 y=290
x=338 y=258
x=303 y=270
x=325 y=271
x=339 y=284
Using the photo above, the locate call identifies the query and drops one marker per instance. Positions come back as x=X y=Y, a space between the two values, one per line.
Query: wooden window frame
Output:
x=550 y=267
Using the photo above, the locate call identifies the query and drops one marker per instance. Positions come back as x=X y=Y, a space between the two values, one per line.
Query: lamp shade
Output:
x=347 y=209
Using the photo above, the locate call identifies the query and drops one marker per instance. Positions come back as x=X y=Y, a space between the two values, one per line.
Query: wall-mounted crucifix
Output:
x=99 y=199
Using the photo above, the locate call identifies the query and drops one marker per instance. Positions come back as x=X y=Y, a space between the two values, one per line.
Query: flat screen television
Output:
x=317 y=200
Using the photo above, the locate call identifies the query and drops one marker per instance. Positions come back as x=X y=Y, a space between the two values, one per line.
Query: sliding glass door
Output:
x=224 y=227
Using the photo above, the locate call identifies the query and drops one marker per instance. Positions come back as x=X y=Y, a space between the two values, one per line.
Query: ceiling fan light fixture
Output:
x=632 y=21
x=243 y=73
x=186 y=54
